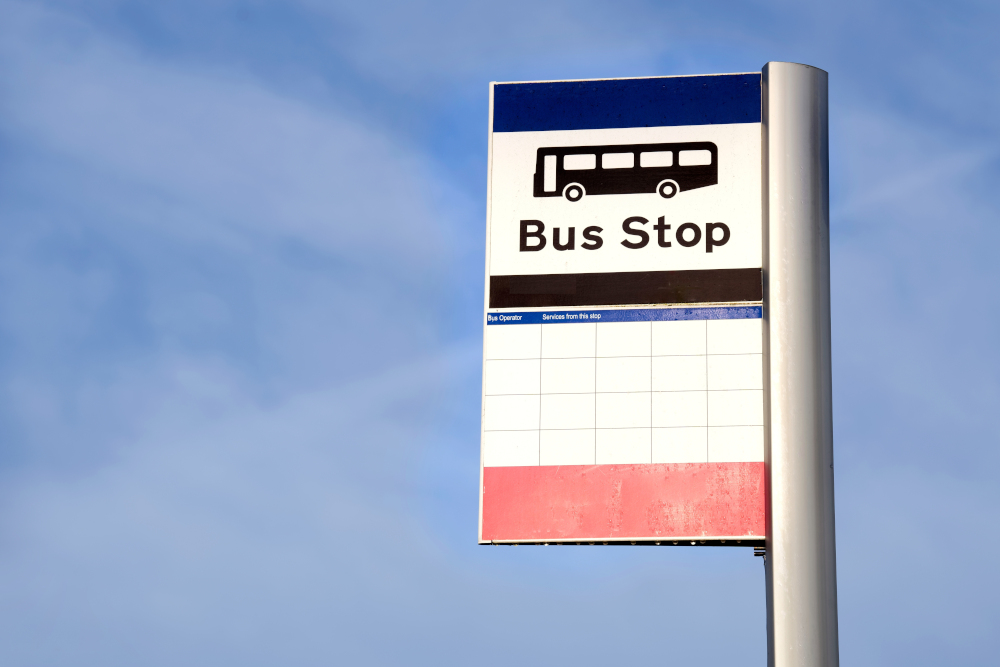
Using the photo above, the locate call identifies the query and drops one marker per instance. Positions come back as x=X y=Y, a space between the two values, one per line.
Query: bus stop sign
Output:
x=623 y=394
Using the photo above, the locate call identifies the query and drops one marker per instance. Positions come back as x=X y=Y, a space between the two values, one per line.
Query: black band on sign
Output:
x=640 y=287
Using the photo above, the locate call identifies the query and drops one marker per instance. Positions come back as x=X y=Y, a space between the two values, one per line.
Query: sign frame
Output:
x=690 y=285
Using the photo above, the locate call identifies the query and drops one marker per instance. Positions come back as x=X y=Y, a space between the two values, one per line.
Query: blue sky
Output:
x=240 y=380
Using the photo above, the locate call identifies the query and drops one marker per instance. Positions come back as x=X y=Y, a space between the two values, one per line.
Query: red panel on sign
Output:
x=618 y=502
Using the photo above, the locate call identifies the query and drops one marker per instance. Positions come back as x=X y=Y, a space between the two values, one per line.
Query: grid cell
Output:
x=736 y=371
x=623 y=410
x=567 y=376
x=735 y=337
x=623 y=445
x=511 y=413
x=510 y=448
x=679 y=373
x=513 y=341
x=567 y=411
x=576 y=339
x=623 y=339
x=735 y=443
x=683 y=337
x=512 y=376
x=736 y=408
x=567 y=448
x=623 y=374
x=680 y=408
x=680 y=445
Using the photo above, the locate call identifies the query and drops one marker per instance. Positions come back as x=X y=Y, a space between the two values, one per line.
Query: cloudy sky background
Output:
x=241 y=251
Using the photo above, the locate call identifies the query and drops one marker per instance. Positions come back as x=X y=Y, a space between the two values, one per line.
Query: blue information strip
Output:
x=614 y=103
x=627 y=315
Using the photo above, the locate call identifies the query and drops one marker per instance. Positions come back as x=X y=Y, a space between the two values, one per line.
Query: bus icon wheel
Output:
x=574 y=192
x=668 y=188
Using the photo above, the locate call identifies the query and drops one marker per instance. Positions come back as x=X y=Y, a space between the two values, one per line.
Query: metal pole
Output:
x=801 y=568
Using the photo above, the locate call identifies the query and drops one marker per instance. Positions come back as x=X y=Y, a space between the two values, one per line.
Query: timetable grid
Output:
x=650 y=391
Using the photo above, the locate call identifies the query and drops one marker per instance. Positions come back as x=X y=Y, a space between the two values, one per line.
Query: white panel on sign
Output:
x=733 y=201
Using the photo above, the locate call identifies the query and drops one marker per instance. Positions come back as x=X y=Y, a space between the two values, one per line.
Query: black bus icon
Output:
x=575 y=171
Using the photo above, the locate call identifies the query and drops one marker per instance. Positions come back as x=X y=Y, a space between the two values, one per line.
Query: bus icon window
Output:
x=666 y=169
x=693 y=158
x=656 y=159
x=577 y=162
x=617 y=160
x=550 y=172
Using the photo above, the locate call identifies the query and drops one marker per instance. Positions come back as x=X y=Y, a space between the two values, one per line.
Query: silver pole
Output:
x=801 y=567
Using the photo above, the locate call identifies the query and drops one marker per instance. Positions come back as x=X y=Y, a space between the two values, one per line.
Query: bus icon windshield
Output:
x=666 y=169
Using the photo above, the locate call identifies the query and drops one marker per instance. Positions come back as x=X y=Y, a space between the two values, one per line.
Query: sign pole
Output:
x=800 y=564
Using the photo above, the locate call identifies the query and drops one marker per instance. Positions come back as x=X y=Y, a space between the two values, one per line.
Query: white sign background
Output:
x=735 y=201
